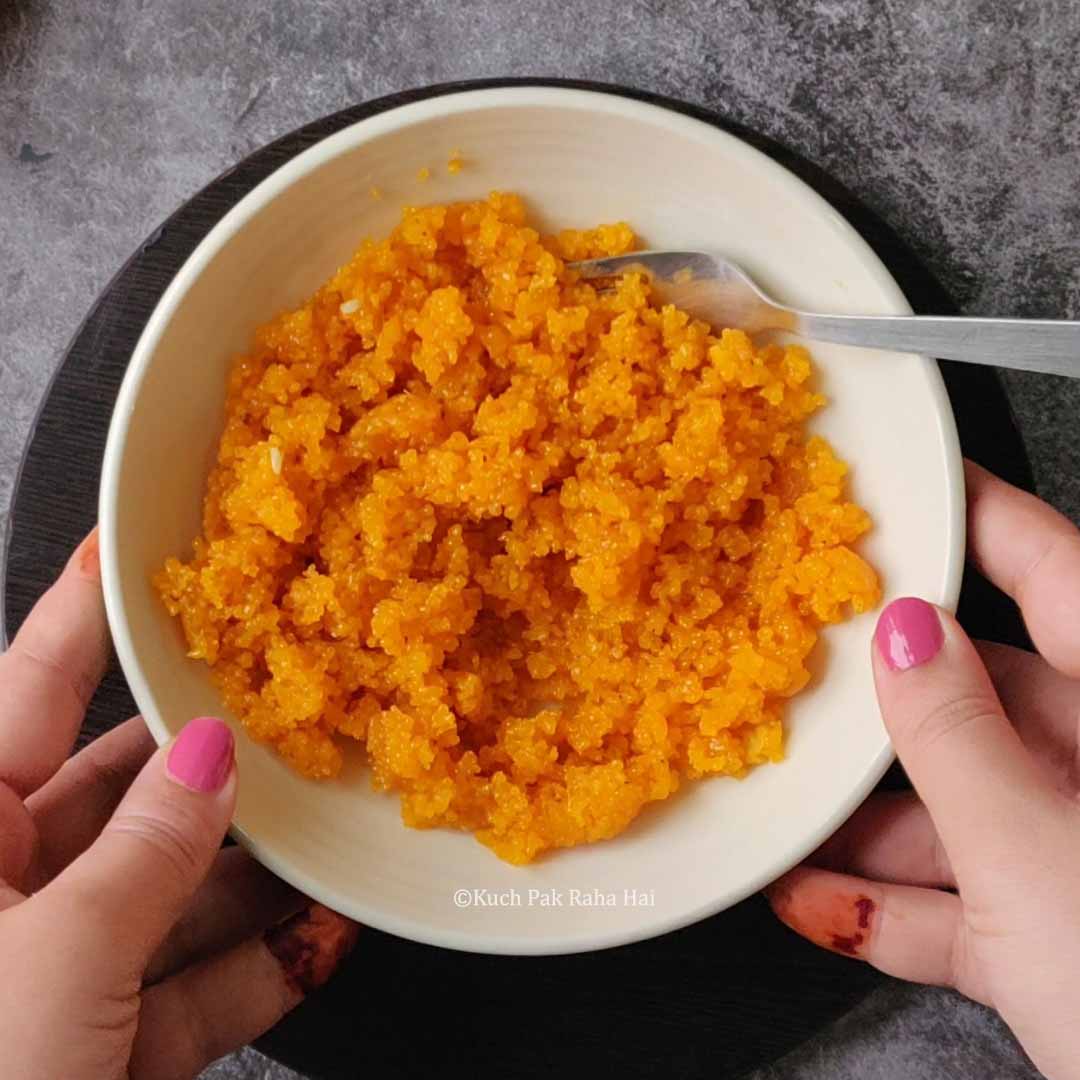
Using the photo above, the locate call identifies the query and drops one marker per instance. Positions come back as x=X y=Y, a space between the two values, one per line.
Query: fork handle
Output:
x=1046 y=345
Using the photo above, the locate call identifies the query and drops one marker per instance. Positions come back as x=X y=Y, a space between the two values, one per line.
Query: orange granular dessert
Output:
x=543 y=552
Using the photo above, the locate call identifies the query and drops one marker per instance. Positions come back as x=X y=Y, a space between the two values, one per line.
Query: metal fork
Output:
x=710 y=286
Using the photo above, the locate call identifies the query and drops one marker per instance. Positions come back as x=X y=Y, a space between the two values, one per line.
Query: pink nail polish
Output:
x=202 y=756
x=908 y=633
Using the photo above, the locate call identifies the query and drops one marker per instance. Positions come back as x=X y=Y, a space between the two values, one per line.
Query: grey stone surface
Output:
x=956 y=123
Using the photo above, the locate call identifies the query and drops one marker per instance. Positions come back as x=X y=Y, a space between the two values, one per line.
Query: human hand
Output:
x=995 y=815
x=132 y=947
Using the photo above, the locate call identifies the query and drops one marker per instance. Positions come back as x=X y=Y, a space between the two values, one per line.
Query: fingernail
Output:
x=310 y=946
x=908 y=633
x=202 y=756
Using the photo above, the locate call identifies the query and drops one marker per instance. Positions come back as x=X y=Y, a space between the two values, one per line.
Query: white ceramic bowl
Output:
x=579 y=158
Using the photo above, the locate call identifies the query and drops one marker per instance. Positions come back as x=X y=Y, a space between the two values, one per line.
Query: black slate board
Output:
x=715 y=999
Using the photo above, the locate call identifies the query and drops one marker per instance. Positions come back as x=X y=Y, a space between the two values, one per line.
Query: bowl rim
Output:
x=398 y=112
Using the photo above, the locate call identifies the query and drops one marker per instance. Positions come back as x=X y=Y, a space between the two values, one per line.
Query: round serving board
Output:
x=716 y=999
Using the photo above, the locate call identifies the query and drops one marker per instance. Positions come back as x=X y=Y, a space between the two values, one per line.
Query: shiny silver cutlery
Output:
x=711 y=287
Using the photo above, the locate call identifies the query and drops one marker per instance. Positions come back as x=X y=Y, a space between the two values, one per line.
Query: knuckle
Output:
x=173 y=841
x=110 y=778
x=52 y=671
x=113 y=774
x=1064 y=544
x=949 y=716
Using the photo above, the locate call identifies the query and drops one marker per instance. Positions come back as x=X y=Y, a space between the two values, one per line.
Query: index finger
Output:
x=1030 y=551
x=49 y=673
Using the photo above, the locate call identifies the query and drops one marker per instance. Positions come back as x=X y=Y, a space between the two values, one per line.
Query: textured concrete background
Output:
x=956 y=123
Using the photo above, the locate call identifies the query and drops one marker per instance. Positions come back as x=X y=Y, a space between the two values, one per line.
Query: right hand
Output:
x=973 y=880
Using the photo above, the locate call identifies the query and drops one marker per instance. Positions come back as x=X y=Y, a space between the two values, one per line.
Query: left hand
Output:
x=132 y=947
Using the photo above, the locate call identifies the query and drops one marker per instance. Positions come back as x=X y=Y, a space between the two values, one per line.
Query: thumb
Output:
x=137 y=878
x=982 y=788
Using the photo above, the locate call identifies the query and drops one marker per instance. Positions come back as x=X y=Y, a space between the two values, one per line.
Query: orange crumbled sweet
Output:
x=455 y=163
x=423 y=173
x=541 y=552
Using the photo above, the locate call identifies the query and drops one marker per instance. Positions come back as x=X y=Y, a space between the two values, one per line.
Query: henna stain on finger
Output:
x=824 y=909
x=310 y=946
x=89 y=556
x=849 y=946
x=865 y=907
